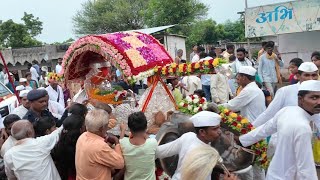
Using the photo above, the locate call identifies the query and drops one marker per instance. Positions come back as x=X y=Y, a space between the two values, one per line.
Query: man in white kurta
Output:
x=30 y=158
x=191 y=83
x=55 y=93
x=220 y=89
x=23 y=108
x=251 y=101
x=288 y=95
x=34 y=73
x=293 y=158
x=188 y=141
x=56 y=109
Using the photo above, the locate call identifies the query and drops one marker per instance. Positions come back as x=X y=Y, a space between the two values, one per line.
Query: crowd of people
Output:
x=48 y=137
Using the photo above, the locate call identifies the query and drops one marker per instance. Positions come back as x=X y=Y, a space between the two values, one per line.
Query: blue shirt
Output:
x=267 y=69
x=205 y=80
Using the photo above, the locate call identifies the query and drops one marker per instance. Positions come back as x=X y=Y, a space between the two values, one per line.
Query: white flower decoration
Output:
x=189 y=107
x=188 y=98
x=196 y=100
x=195 y=110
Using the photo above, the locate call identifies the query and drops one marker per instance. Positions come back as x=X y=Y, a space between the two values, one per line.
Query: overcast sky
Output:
x=56 y=15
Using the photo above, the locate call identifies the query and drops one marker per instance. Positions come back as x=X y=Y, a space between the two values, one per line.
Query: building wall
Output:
x=173 y=43
x=299 y=45
x=18 y=59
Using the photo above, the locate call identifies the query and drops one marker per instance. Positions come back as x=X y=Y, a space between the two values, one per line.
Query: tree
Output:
x=166 y=12
x=205 y=32
x=33 y=25
x=18 y=35
x=68 y=41
x=105 y=16
x=234 y=31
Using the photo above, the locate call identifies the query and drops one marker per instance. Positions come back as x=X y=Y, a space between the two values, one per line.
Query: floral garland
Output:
x=114 y=95
x=193 y=104
x=242 y=125
x=205 y=66
x=54 y=76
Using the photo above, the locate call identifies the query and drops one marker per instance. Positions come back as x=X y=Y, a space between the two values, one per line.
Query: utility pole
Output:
x=248 y=40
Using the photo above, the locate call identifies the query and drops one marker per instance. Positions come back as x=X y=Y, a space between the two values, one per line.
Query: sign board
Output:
x=282 y=18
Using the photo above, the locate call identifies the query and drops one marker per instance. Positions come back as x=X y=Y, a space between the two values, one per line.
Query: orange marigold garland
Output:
x=54 y=76
x=241 y=125
x=113 y=96
x=205 y=66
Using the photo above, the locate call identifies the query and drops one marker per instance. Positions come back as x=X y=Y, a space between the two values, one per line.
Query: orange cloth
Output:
x=261 y=51
x=239 y=89
x=95 y=159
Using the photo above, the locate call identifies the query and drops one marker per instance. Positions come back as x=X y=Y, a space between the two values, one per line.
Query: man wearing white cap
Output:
x=251 y=101
x=288 y=95
x=23 y=82
x=207 y=128
x=293 y=158
x=25 y=105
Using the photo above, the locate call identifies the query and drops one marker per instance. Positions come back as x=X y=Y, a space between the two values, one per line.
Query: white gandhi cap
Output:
x=23 y=93
x=206 y=119
x=308 y=67
x=20 y=88
x=311 y=85
x=22 y=80
x=247 y=70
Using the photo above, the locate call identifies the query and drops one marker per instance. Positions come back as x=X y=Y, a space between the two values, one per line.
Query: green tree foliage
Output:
x=205 y=32
x=68 y=41
x=103 y=16
x=166 y=12
x=234 y=31
x=33 y=25
x=18 y=35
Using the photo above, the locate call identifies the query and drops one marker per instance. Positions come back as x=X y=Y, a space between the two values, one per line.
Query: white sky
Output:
x=56 y=15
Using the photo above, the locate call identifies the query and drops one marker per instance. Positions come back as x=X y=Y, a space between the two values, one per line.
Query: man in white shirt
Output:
x=196 y=57
x=25 y=105
x=293 y=158
x=10 y=142
x=220 y=89
x=30 y=158
x=34 y=73
x=23 y=82
x=251 y=101
x=55 y=92
x=240 y=61
x=207 y=127
x=58 y=66
x=54 y=107
x=287 y=96
x=191 y=83
x=194 y=50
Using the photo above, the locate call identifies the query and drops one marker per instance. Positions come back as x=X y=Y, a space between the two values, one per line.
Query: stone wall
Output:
x=47 y=55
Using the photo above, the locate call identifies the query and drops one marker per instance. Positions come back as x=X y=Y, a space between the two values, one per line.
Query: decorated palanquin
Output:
x=91 y=61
